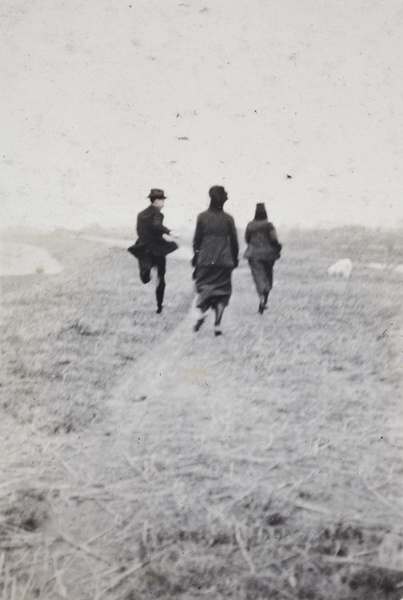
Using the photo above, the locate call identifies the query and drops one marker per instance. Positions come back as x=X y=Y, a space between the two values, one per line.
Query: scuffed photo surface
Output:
x=142 y=459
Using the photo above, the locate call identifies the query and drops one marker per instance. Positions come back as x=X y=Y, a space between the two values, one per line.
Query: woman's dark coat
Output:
x=215 y=241
x=215 y=248
x=262 y=252
x=262 y=241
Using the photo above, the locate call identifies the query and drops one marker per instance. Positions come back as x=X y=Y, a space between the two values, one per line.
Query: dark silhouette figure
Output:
x=215 y=247
x=151 y=248
x=262 y=252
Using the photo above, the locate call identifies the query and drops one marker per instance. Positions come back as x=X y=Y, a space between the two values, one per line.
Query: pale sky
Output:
x=295 y=104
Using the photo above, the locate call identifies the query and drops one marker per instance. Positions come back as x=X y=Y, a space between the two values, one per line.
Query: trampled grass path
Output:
x=276 y=389
x=264 y=463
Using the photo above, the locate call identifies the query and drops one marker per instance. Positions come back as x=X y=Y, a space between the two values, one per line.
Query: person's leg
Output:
x=160 y=263
x=202 y=301
x=269 y=281
x=145 y=265
x=269 y=275
x=219 y=310
x=201 y=317
x=260 y=279
x=200 y=312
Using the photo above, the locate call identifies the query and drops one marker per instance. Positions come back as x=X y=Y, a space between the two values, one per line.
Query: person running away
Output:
x=151 y=248
x=215 y=247
x=262 y=252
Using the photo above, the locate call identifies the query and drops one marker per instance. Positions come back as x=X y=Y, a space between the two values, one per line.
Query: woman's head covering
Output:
x=260 y=213
x=218 y=197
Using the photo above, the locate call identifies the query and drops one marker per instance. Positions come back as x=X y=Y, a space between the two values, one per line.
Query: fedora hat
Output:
x=156 y=194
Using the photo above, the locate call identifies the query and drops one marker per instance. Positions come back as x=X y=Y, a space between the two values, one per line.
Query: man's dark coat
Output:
x=150 y=230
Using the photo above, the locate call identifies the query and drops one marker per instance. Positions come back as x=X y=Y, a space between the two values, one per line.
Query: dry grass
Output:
x=143 y=461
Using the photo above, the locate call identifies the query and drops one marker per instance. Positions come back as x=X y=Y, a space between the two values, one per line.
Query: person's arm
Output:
x=233 y=241
x=197 y=240
x=272 y=235
x=157 y=226
x=198 y=236
x=248 y=234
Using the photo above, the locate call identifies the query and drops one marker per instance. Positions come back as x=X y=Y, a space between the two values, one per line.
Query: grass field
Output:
x=141 y=460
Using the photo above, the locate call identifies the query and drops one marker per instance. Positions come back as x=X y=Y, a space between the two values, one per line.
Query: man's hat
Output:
x=156 y=194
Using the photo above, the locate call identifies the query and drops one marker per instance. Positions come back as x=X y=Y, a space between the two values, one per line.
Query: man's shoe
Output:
x=159 y=310
x=217 y=331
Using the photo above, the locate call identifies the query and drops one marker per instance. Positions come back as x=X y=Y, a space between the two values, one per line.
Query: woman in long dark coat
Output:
x=262 y=252
x=215 y=247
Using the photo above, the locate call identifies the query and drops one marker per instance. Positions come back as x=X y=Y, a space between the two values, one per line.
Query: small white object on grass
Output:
x=342 y=268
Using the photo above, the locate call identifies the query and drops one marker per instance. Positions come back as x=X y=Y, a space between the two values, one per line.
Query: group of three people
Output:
x=215 y=247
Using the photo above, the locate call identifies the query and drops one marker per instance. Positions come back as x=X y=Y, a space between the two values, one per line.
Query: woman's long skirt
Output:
x=213 y=286
x=262 y=272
